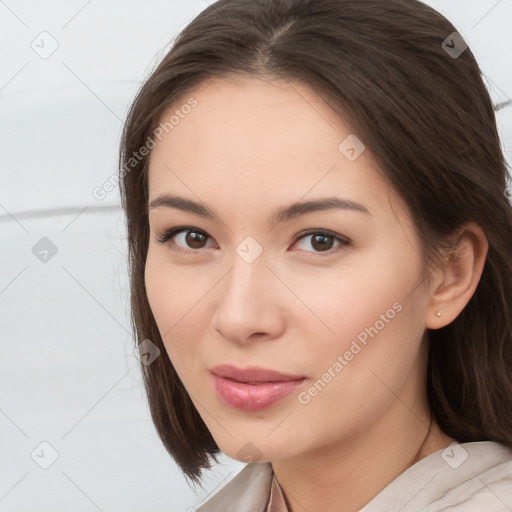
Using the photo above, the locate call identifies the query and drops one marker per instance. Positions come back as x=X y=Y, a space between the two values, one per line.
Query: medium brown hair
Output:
x=429 y=123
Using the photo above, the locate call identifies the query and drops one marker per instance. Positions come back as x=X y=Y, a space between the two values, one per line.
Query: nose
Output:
x=250 y=302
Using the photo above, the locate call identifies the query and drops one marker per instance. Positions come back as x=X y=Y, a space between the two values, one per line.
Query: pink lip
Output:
x=254 y=388
x=252 y=374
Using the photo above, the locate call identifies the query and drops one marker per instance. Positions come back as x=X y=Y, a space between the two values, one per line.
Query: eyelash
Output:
x=169 y=233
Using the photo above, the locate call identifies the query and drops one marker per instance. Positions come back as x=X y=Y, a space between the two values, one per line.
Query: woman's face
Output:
x=341 y=313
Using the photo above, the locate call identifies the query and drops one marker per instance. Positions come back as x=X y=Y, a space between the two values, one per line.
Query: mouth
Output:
x=253 y=374
x=254 y=383
x=253 y=389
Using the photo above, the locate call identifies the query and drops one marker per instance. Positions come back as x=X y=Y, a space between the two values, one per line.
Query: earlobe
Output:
x=456 y=282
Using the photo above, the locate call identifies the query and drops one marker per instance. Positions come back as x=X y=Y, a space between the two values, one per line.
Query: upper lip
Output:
x=252 y=374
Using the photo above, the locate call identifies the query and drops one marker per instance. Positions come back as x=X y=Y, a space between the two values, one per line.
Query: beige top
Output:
x=467 y=477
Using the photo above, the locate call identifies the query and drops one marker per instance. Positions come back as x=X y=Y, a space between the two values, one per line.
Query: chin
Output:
x=255 y=451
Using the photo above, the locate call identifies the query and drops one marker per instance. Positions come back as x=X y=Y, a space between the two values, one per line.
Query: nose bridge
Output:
x=244 y=303
x=249 y=272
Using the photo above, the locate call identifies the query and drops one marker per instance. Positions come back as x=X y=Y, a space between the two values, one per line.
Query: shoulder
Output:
x=466 y=477
x=486 y=482
x=249 y=491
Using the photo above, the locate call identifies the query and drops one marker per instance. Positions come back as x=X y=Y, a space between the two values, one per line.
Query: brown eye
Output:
x=183 y=238
x=195 y=240
x=322 y=242
x=191 y=240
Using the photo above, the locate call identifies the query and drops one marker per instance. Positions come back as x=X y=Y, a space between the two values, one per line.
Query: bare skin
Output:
x=250 y=147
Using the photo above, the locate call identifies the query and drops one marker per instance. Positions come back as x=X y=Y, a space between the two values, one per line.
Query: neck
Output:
x=350 y=473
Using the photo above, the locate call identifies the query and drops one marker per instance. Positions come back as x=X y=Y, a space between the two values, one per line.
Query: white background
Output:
x=68 y=374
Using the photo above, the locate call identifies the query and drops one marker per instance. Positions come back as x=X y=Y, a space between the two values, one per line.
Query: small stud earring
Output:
x=438 y=314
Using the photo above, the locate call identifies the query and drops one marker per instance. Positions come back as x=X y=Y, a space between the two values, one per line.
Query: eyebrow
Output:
x=292 y=211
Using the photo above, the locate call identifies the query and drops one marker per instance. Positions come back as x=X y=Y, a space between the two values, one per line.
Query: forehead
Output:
x=264 y=115
x=275 y=140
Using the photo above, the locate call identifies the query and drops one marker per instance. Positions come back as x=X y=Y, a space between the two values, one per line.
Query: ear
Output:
x=455 y=282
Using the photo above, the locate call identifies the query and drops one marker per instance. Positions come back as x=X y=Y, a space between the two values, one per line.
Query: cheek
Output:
x=157 y=290
x=165 y=301
x=176 y=307
x=346 y=303
x=168 y=289
x=371 y=318
x=376 y=361
x=355 y=380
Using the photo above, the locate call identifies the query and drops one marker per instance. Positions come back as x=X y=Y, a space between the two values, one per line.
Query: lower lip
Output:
x=253 y=397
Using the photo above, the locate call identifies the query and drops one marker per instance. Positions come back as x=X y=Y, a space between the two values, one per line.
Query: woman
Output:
x=369 y=374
